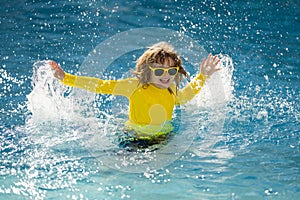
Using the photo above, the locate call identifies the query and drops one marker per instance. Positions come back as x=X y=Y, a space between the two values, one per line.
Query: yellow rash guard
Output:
x=150 y=108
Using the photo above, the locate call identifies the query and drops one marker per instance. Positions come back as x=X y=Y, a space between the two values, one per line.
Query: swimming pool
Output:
x=254 y=156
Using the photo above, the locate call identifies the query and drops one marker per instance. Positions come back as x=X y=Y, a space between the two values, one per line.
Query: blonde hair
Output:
x=158 y=53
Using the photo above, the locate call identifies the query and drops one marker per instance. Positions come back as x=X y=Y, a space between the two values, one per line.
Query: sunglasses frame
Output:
x=164 y=69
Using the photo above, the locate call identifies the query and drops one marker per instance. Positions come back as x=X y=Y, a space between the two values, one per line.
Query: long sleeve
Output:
x=192 y=89
x=123 y=87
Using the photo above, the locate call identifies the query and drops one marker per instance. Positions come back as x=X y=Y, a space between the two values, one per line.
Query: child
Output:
x=152 y=93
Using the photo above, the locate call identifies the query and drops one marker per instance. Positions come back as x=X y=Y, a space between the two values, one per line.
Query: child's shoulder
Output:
x=126 y=86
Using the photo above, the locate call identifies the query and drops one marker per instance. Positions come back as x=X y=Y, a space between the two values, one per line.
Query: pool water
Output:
x=247 y=148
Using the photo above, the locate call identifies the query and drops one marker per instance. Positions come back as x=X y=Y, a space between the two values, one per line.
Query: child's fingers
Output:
x=214 y=58
x=208 y=57
x=203 y=63
x=53 y=64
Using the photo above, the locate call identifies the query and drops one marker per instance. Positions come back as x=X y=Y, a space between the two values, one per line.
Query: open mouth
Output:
x=164 y=81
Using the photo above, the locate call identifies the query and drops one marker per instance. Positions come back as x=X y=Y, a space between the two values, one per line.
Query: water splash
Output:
x=58 y=118
x=212 y=104
x=44 y=154
x=46 y=101
x=219 y=87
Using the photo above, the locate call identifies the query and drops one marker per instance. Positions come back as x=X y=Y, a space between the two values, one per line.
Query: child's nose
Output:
x=165 y=74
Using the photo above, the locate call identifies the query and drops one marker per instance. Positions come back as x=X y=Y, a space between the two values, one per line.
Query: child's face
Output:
x=164 y=81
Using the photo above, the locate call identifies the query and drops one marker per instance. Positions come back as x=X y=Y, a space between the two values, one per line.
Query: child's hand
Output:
x=209 y=65
x=58 y=72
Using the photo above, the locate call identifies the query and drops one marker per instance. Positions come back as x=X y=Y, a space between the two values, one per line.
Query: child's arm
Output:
x=123 y=87
x=207 y=68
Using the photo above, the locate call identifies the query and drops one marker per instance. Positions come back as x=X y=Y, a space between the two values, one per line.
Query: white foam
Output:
x=218 y=89
x=55 y=116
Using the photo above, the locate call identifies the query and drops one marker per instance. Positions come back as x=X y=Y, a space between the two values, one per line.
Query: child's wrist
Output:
x=203 y=76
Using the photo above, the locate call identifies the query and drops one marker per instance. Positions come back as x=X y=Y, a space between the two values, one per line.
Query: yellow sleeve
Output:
x=123 y=87
x=192 y=89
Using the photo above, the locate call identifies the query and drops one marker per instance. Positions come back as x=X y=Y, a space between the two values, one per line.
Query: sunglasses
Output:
x=172 y=71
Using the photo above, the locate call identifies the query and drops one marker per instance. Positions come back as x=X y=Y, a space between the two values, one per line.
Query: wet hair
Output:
x=158 y=53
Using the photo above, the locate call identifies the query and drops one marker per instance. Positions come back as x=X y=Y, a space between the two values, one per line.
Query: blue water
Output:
x=256 y=155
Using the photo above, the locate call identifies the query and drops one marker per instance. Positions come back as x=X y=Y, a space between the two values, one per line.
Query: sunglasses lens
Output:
x=172 y=72
x=158 y=72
